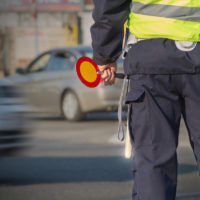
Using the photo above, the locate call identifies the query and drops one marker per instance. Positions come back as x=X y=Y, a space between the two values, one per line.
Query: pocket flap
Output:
x=134 y=95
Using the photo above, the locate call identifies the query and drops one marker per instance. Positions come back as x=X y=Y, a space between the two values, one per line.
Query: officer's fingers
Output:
x=113 y=68
x=112 y=79
x=108 y=66
x=104 y=75
x=108 y=73
x=102 y=67
x=107 y=79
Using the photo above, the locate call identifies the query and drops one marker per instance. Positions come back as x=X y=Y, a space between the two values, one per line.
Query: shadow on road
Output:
x=187 y=168
x=23 y=171
x=96 y=116
x=31 y=170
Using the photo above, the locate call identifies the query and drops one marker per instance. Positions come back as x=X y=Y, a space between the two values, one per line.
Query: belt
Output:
x=181 y=45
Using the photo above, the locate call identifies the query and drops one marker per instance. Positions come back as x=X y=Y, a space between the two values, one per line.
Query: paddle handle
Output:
x=119 y=75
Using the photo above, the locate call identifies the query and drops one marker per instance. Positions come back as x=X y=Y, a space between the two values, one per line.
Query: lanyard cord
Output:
x=121 y=131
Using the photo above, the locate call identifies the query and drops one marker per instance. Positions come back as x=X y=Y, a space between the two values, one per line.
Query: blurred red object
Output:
x=34 y=9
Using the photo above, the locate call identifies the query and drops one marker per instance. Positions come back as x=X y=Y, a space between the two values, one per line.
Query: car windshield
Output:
x=62 y=61
x=40 y=63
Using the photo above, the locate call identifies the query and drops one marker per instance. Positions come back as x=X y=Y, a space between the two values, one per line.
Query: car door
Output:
x=35 y=74
x=59 y=72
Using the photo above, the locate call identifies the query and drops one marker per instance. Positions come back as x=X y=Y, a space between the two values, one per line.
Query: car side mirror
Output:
x=20 y=71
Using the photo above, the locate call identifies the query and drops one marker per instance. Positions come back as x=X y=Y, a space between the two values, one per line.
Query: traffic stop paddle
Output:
x=89 y=73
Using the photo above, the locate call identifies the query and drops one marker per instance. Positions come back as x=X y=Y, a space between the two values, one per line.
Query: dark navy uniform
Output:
x=164 y=85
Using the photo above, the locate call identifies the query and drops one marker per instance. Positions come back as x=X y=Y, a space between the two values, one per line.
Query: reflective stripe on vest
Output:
x=177 y=20
x=185 y=3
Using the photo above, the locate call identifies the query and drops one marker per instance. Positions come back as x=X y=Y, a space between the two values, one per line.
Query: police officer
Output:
x=163 y=65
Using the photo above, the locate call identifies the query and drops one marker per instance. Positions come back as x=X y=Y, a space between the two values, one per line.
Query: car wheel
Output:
x=71 y=107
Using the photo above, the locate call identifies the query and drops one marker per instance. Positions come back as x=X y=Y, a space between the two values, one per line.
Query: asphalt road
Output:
x=82 y=161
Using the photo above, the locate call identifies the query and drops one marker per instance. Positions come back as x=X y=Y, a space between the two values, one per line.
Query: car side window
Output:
x=40 y=63
x=62 y=61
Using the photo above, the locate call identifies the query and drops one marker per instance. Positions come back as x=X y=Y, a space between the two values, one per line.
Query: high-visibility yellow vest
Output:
x=172 y=19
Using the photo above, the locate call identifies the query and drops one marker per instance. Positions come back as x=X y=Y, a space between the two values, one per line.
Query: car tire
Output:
x=71 y=107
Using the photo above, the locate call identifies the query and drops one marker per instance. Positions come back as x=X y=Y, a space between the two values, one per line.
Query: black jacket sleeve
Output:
x=108 y=29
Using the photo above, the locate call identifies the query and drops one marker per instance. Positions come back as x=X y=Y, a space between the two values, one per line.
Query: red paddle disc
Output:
x=87 y=70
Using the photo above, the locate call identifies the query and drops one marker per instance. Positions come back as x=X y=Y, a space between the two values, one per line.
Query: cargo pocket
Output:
x=134 y=97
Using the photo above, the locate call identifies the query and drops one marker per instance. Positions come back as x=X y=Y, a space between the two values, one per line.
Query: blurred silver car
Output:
x=53 y=87
x=13 y=121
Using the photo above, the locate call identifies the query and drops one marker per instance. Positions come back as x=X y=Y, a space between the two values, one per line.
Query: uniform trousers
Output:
x=164 y=87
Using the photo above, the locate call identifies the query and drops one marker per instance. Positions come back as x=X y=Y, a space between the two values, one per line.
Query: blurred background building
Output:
x=29 y=27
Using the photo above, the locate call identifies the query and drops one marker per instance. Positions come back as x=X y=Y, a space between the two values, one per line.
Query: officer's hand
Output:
x=108 y=73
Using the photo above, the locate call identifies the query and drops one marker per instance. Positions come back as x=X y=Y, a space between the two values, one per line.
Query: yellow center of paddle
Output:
x=88 y=72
